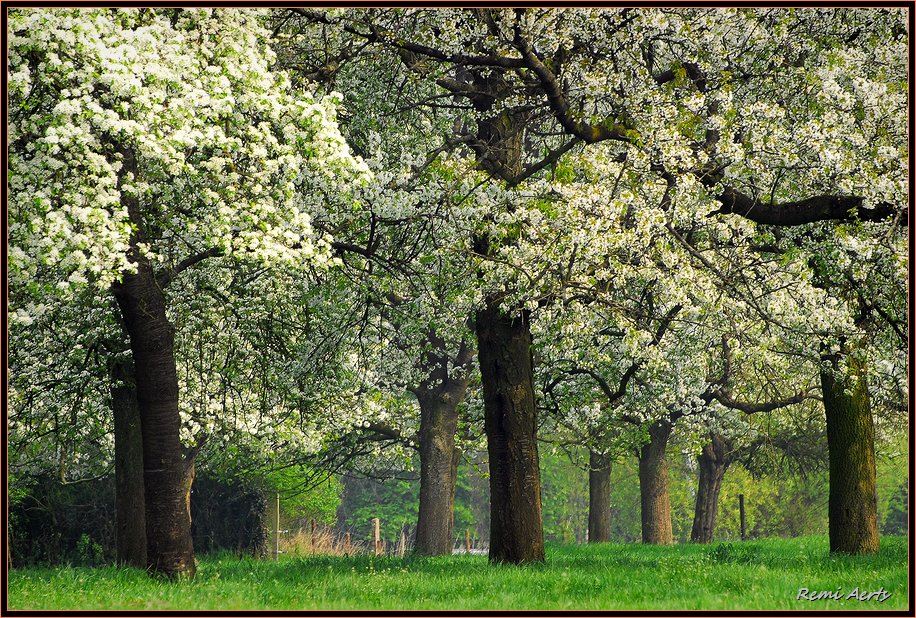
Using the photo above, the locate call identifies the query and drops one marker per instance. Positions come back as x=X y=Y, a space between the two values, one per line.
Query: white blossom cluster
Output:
x=292 y=344
x=226 y=153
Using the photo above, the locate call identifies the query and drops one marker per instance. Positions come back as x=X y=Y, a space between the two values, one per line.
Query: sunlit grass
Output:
x=763 y=574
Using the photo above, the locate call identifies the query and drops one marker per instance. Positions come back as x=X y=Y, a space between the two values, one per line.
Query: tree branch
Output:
x=587 y=132
x=818 y=208
x=166 y=276
x=752 y=408
x=396 y=42
x=552 y=157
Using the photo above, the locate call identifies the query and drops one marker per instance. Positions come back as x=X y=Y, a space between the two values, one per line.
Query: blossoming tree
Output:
x=741 y=112
x=143 y=142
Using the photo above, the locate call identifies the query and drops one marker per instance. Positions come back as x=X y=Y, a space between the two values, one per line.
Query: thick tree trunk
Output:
x=599 y=498
x=504 y=350
x=713 y=461
x=853 y=504
x=130 y=504
x=653 y=487
x=167 y=472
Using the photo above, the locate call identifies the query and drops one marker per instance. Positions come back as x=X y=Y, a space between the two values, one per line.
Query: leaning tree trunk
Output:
x=713 y=461
x=599 y=498
x=130 y=505
x=504 y=350
x=167 y=472
x=853 y=503
x=439 y=459
x=653 y=487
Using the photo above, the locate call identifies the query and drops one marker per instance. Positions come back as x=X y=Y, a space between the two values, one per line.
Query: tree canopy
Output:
x=321 y=236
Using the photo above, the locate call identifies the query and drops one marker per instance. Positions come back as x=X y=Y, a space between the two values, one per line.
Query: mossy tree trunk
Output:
x=853 y=503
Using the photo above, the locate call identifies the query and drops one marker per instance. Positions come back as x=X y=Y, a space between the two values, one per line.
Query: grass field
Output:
x=762 y=574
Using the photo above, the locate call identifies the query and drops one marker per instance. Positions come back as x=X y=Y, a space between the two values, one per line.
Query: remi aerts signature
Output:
x=880 y=595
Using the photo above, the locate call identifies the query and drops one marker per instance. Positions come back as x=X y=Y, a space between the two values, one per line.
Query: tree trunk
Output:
x=438 y=465
x=504 y=350
x=439 y=396
x=653 y=487
x=167 y=473
x=438 y=472
x=599 y=498
x=853 y=503
x=130 y=515
x=713 y=461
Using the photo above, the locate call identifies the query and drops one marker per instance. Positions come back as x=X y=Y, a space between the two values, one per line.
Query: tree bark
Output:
x=439 y=398
x=653 y=487
x=504 y=350
x=713 y=461
x=438 y=473
x=853 y=504
x=599 y=498
x=809 y=210
x=130 y=504
x=167 y=471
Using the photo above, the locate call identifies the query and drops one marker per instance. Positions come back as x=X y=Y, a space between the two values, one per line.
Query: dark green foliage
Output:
x=90 y=553
x=897 y=514
x=228 y=517
x=53 y=523
x=395 y=502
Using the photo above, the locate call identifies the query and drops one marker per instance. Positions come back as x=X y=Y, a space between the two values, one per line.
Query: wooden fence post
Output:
x=741 y=513
x=402 y=545
x=467 y=539
x=376 y=525
x=313 y=540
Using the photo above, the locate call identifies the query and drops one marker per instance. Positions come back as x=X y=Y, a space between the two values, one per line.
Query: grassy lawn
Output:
x=764 y=574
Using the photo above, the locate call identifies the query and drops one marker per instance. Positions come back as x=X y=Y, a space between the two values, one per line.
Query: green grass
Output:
x=763 y=574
